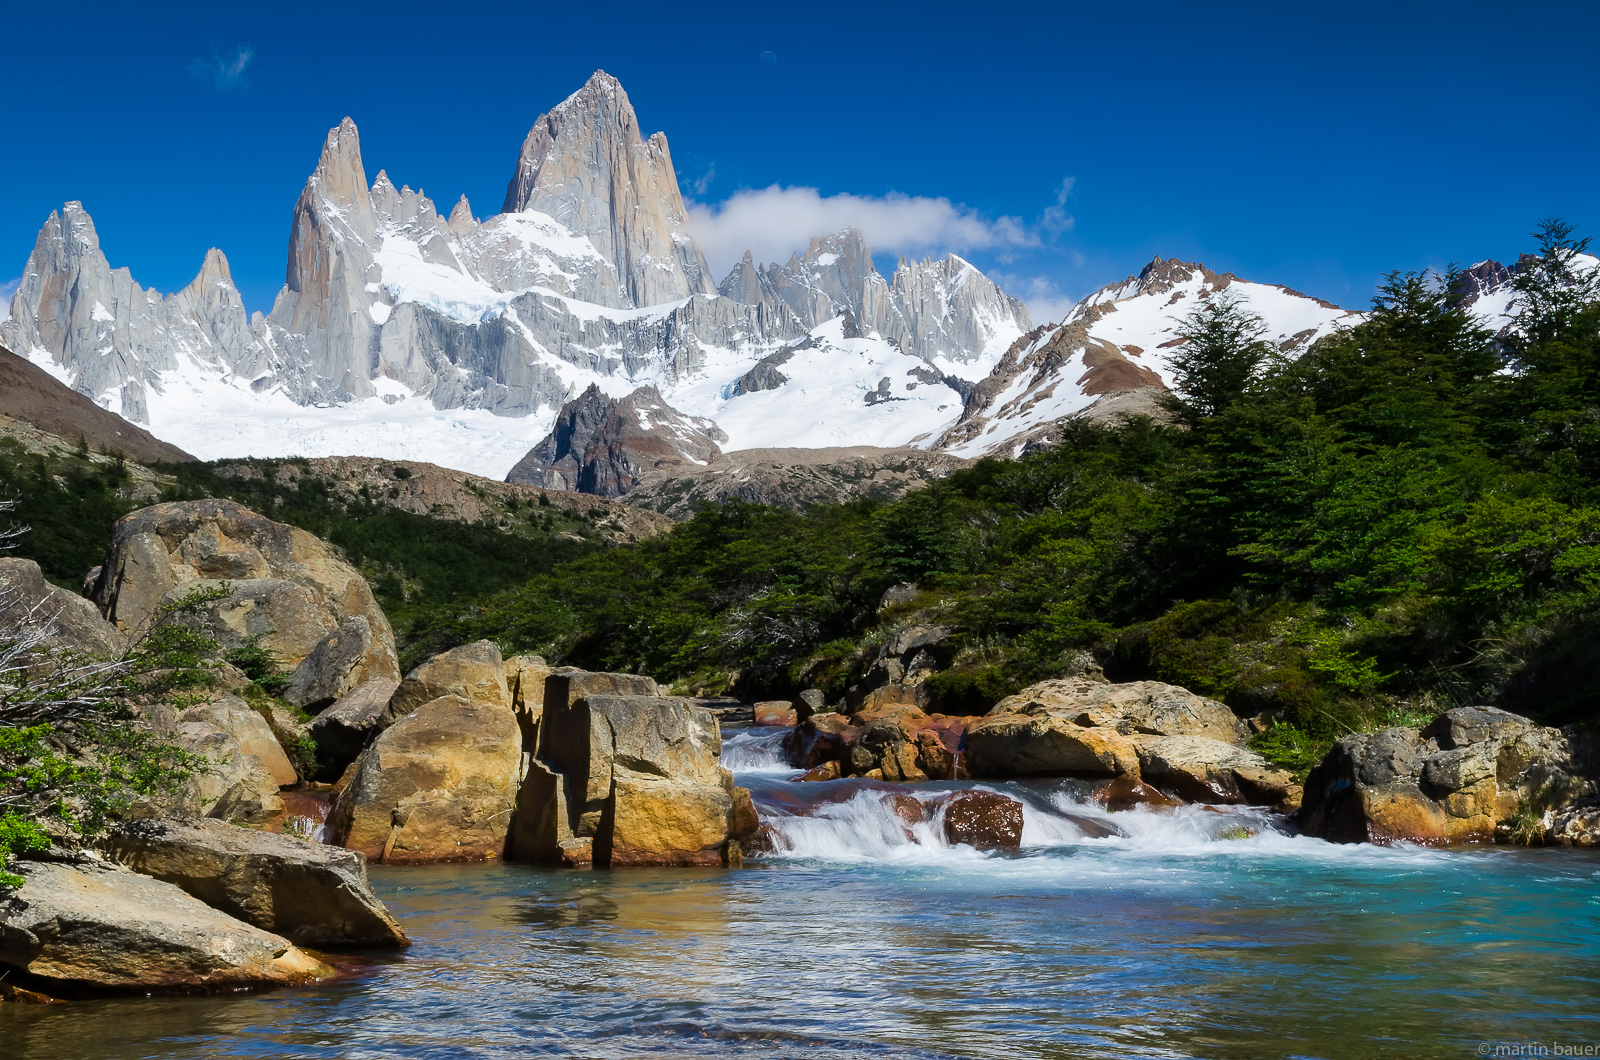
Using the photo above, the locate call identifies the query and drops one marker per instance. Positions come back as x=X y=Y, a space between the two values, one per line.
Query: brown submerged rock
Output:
x=985 y=820
x=1125 y=793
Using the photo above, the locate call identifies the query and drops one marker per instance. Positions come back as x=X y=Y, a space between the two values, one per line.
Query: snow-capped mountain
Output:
x=1111 y=353
x=403 y=333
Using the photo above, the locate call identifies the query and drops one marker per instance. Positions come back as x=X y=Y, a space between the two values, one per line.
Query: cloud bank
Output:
x=224 y=72
x=772 y=223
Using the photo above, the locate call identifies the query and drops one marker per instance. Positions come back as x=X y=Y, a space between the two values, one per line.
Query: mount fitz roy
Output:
x=405 y=334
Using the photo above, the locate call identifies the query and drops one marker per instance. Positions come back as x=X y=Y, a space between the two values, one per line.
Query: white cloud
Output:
x=8 y=289
x=774 y=222
x=1046 y=302
x=1056 y=218
x=224 y=72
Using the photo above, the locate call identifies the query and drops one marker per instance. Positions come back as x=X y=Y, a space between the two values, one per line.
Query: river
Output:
x=859 y=940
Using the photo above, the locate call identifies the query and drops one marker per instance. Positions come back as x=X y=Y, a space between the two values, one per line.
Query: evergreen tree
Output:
x=1222 y=351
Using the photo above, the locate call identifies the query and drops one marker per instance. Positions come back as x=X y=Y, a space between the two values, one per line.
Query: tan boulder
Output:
x=440 y=784
x=475 y=672
x=564 y=687
x=286 y=586
x=525 y=680
x=334 y=666
x=1465 y=777
x=310 y=893
x=231 y=785
x=344 y=728
x=1136 y=708
x=1212 y=771
x=94 y=928
x=1041 y=744
x=250 y=730
x=636 y=776
x=71 y=623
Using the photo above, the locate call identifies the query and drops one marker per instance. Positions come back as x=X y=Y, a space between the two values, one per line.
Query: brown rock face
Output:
x=438 y=785
x=312 y=894
x=238 y=719
x=474 y=672
x=1045 y=745
x=1461 y=779
x=893 y=738
x=288 y=588
x=1203 y=770
x=1125 y=793
x=634 y=779
x=985 y=820
x=778 y=712
x=99 y=929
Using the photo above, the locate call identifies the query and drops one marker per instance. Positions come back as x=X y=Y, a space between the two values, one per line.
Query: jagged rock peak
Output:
x=604 y=446
x=213 y=272
x=339 y=177
x=585 y=164
x=461 y=220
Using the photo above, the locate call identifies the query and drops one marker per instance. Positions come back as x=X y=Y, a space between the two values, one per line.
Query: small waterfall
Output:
x=756 y=750
x=861 y=821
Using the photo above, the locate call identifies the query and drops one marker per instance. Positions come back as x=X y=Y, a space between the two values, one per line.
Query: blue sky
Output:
x=1314 y=145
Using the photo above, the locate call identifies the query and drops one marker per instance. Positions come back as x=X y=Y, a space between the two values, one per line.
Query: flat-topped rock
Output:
x=92 y=928
x=310 y=893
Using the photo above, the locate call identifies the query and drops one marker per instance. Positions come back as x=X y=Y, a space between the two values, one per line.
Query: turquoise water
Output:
x=859 y=940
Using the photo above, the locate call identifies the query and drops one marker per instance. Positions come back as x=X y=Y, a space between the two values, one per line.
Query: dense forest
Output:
x=1404 y=518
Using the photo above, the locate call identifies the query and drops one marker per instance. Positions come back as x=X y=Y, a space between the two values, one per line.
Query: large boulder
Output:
x=311 y=894
x=440 y=784
x=1148 y=708
x=1035 y=742
x=231 y=785
x=475 y=672
x=250 y=730
x=287 y=588
x=624 y=780
x=343 y=729
x=92 y=928
x=1470 y=772
x=69 y=622
x=335 y=665
x=1213 y=771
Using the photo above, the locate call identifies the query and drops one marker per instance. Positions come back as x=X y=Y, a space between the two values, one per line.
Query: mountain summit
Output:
x=585 y=165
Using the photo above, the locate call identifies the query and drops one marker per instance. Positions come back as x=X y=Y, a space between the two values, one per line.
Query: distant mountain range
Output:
x=578 y=336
